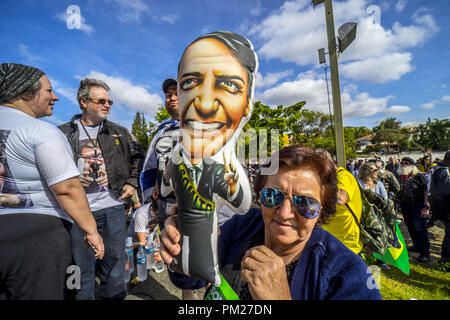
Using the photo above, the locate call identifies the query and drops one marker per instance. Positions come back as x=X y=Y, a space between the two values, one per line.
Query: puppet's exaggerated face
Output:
x=212 y=95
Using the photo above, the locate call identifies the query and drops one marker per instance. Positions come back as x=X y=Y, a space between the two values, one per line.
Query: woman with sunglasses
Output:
x=279 y=251
x=368 y=178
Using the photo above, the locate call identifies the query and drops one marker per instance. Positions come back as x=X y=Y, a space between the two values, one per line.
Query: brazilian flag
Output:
x=397 y=257
x=222 y=292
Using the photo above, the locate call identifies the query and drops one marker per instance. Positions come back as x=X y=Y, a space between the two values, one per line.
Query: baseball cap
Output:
x=167 y=83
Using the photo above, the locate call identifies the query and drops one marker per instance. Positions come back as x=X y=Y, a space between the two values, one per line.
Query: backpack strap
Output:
x=346 y=204
x=354 y=216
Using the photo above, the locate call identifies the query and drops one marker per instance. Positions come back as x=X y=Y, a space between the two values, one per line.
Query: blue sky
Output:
x=398 y=65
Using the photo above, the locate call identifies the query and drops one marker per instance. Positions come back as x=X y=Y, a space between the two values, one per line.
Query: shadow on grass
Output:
x=424 y=281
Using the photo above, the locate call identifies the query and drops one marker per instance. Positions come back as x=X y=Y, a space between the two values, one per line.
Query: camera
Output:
x=95 y=168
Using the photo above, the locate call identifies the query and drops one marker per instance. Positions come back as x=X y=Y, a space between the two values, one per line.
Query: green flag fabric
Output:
x=397 y=257
x=222 y=292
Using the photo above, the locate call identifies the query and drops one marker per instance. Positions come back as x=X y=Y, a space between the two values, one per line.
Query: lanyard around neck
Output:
x=90 y=139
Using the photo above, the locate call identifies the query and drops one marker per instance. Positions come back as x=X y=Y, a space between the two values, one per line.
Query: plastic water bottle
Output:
x=129 y=250
x=141 y=264
x=150 y=252
x=159 y=262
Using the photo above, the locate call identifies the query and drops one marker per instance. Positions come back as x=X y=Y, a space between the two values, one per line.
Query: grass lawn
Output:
x=424 y=282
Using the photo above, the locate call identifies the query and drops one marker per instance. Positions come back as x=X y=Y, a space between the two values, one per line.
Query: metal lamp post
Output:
x=347 y=33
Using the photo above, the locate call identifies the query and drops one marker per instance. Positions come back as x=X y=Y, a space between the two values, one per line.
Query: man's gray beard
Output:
x=96 y=116
x=404 y=170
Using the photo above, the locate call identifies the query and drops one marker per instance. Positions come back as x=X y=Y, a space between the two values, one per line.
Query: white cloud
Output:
x=428 y=105
x=170 y=18
x=135 y=97
x=23 y=50
x=311 y=87
x=67 y=92
x=410 y=124
x=256 y=11
x=401 y=4
x=83 y=26
x=53 y=120
x=397 y=110
x=389 y=67
x=270 y=78
x=295 y=32
x=130 y=10
x=362 y=104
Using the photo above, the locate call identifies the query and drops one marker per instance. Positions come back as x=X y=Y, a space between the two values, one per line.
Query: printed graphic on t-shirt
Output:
x=92 y=167
x=10 y=197
x=163 y=148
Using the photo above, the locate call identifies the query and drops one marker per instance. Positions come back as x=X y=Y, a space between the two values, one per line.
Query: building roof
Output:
x=368 y=137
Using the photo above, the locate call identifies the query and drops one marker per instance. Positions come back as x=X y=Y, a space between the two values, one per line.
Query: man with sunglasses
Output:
x=110 y=160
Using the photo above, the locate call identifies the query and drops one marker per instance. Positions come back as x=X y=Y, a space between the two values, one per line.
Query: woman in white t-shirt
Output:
x=40 y=192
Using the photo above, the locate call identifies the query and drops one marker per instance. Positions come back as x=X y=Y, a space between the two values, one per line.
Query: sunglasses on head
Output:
x=306 y=206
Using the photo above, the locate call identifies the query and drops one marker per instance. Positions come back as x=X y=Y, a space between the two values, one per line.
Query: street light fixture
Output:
x=322 y=58
x=347 y=33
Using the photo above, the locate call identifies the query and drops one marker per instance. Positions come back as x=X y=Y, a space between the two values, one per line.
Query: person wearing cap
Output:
x=414 y=206
x=160 y=151
x=40 y=194
x=109 y=160
x=158 y=154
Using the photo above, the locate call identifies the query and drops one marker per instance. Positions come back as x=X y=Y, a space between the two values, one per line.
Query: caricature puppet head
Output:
x=215 y=91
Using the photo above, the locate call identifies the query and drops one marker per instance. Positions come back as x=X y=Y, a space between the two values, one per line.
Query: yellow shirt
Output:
x=342 y=225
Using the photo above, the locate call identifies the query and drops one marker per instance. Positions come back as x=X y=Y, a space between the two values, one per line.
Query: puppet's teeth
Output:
x=197 y=125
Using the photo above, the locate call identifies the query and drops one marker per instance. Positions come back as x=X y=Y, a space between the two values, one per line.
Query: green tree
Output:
x=433 y=135
x=162 y=114
x=388 y=123
x=389 y=132
x=139 y=130
x=304 y=127
x=360 y=132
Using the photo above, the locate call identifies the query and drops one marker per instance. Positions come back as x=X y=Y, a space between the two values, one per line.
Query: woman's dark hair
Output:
x=241 y=48
x=296 y=157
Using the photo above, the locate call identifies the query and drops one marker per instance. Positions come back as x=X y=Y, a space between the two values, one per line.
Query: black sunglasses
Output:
x=306 y=206
x=102 y=101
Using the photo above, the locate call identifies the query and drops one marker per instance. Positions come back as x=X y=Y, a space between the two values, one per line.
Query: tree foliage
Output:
x=433 y=135
x=388 y=123
x=162 y=114
x=140 y=130
x=297 y=126
x=362 y=131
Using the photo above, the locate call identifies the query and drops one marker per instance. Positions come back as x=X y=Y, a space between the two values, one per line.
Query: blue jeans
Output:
x=417 y=227
x=111 y=226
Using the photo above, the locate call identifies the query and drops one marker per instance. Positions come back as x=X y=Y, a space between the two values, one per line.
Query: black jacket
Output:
x=440 y=193
x=122 y=153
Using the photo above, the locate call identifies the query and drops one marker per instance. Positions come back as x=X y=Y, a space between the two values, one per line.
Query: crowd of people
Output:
x=419 y=190
x=65 y=193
